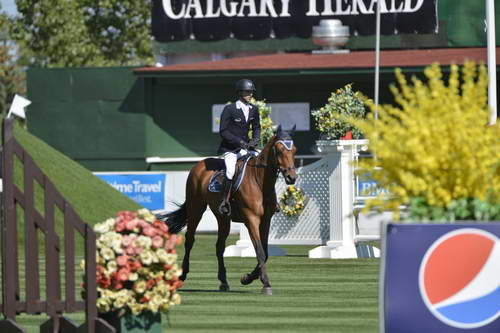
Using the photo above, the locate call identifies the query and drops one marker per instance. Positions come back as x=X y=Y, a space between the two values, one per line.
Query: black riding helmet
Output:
x=245 y=84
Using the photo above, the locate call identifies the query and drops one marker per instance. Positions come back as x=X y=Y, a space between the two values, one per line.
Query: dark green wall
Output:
x=94 y=115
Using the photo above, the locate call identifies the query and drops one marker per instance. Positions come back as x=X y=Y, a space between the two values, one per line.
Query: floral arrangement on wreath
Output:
x=136 y=264
x=292 y=201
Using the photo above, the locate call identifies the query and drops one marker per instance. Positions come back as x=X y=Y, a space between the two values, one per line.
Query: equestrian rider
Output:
x=235 y=123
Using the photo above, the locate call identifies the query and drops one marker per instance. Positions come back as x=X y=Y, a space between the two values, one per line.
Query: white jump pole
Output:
x=492 y=63
x=377 y=59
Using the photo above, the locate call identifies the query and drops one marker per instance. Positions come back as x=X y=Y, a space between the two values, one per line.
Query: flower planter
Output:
x=128 y=323
x=347 y=136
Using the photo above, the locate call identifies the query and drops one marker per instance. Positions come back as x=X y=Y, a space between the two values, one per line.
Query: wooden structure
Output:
x=54 y=304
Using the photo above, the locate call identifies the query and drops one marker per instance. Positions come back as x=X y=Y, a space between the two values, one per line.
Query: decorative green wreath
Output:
x=292 y=201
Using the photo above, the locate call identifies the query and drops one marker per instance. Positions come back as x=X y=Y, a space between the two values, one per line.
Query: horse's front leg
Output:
x=223 y=231
x=253 y=226
x=264 y=236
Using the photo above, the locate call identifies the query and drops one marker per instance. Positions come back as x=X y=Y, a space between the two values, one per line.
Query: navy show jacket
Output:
x=234 y=128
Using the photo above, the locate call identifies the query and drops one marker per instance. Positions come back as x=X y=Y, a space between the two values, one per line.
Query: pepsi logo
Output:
x=459 y=278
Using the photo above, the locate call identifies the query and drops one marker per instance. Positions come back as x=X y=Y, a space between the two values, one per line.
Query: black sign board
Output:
x=211 y=20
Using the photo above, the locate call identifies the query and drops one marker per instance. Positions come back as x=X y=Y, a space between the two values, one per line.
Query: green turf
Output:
x=310 y=295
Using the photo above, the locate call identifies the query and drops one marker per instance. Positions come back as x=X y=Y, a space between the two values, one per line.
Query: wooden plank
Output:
x=90 y=280
x=69 y=261
x=38 y=307
x=32 y=276
x=51 y=257
x=58 y=198
x=9 y=237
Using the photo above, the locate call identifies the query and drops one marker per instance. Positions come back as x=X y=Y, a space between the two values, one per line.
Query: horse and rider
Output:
x=235 y=122
x=254 y=202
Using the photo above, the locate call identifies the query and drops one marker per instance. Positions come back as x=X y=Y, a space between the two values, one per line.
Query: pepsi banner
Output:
x=147 y=189
x=212 y=20
x=441 y=278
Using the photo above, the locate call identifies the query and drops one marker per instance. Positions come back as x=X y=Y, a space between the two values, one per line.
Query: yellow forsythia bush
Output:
x=436 y=143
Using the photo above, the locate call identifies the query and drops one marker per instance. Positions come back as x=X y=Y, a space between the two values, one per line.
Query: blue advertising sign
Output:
x=441 y=278
x=148 y=190
x=367 y=187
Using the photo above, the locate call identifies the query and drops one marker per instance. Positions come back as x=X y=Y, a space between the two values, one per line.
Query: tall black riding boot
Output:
x=225 y=206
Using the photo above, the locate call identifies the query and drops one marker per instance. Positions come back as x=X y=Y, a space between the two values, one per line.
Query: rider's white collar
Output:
x=241 y=105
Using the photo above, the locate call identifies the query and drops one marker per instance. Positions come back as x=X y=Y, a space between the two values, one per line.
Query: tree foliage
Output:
x=56 y=33
x=12 y=77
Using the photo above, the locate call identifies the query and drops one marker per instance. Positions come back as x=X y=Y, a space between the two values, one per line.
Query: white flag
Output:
x=18 y=105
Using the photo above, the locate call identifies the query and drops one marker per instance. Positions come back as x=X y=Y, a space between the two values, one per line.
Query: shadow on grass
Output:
x=214 y=291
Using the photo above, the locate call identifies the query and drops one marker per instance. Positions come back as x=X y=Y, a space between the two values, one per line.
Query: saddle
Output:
x=217 y=165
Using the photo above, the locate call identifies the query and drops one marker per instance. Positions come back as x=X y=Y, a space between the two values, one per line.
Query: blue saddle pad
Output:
x=215 y=183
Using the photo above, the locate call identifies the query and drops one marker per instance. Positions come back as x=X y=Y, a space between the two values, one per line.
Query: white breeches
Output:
x=230 y=161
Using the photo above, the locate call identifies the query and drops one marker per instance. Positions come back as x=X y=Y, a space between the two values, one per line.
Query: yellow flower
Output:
x=140 y=286
x=136 y=308
x=111 y=267
x=435 y=143
x=165 y=307
x=146 y=257
x=103 y=305
x=176 y=299
x=107 y=253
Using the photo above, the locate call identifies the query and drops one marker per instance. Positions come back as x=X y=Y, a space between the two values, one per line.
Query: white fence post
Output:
x=341 y=154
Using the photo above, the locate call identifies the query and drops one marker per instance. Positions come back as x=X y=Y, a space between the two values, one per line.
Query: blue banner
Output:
x=367 y=187
x=441 y=278
x=148 y=190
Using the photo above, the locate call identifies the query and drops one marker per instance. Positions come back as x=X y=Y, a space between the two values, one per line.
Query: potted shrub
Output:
x=332 y=119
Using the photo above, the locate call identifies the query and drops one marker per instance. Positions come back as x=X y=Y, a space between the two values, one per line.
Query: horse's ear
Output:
x=292 y=131
x=277 y=131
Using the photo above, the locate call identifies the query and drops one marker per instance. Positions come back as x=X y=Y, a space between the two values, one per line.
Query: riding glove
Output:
x=244 y=145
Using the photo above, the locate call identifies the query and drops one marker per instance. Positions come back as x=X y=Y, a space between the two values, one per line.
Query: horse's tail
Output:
x=175 y=220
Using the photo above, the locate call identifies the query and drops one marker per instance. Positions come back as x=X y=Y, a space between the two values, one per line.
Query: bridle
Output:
x=288 y=144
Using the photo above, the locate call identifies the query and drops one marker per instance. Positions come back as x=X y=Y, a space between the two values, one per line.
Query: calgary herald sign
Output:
x=259 y=19
x=249 y=8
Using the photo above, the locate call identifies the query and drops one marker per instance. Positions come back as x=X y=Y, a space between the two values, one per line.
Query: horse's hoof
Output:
x=183 y=277
x=246 y=279
x=224 y=287
x=267 y=290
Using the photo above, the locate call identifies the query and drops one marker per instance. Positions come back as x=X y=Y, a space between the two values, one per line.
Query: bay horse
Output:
x=255 y=202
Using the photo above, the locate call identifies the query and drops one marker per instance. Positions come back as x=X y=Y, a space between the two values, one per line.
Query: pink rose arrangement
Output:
x=136 y=264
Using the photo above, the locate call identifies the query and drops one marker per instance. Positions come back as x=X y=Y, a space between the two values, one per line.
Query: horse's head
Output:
x=284 y=150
